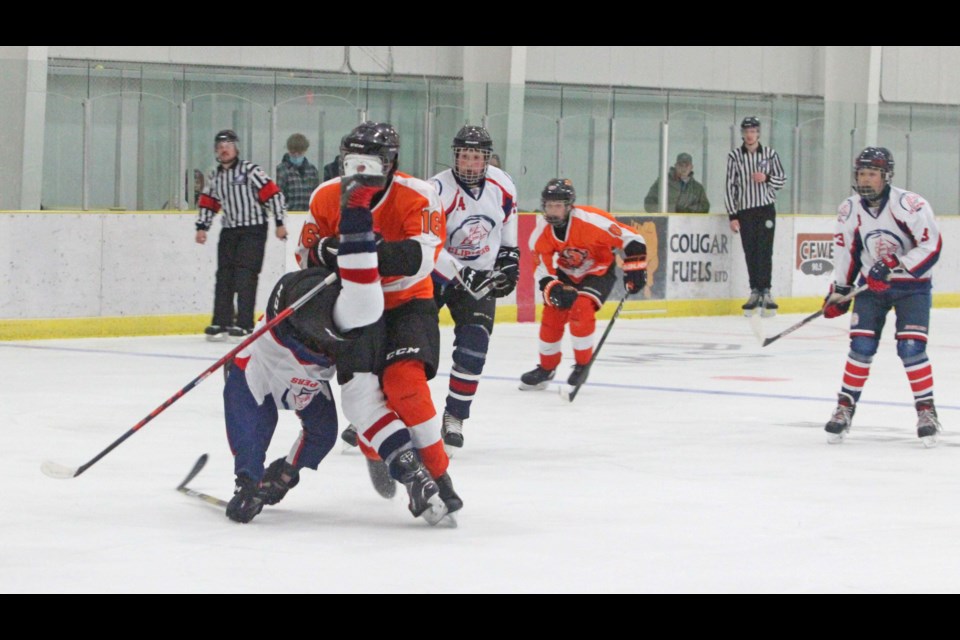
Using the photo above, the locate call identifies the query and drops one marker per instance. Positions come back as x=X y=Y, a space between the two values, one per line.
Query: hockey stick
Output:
x=56 y=470
x=569 y=395
x=484 y=289
x=814 y=316
x=182 y=487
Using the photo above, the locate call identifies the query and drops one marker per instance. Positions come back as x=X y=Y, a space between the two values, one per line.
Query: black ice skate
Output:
x=246 y=502
x=215 y=333
x=448 y=495
x=280 y=477
x=578 y=375
x=350 y=435
x=839 y=425
x=239 y=334
x=750 y=306
x=928 y=424
x=380 y=477
x=422 y=490
x=537 y=379
x=768 y=306
x=452 y=431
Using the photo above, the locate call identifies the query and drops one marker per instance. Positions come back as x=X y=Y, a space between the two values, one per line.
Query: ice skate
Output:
x=350 y=438
x=452 y=432
x=928 y=424
x=768 y=306
x=536 y=379
x=216 y=333
x=380 y=477
x=578 y=375
x=753 y=302
x=422 y=490
x=839 y=425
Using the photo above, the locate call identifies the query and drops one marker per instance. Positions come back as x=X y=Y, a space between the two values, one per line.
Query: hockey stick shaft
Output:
x=813 y=316
x=58 y=471
x=596 y=352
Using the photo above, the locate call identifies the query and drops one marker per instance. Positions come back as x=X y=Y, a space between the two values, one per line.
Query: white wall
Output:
x=73 y=265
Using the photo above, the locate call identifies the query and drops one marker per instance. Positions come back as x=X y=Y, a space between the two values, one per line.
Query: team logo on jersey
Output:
x=572 y=259
x=615 y=231
x=881 y=243
x=303 y=395
x=844 y=211
x=912 y=202
x=469 y=240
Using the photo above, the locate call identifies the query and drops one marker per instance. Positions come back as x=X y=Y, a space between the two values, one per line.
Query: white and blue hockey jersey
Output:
x=903 y=225
x=479 y=221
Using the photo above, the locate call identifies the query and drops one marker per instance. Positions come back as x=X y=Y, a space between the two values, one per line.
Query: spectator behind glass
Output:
x=684 y=193
x=331 y=170
x=296 y=177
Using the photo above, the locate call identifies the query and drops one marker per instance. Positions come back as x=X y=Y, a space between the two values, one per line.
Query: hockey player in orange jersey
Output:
x=410 y=227
x=574 y=248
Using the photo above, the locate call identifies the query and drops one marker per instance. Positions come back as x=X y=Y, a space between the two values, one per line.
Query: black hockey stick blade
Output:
x=184 y=489
x=197 y=467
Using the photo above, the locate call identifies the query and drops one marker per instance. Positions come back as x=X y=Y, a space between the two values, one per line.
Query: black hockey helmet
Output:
x=878 y=158
x=475 y=138
x=312 y=324
x=558 y=190
x=227 y=135
x=875 y=158
x=750 y=122
x=372 y=139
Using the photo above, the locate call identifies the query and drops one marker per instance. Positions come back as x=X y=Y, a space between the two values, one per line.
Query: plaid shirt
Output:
x=297 y=183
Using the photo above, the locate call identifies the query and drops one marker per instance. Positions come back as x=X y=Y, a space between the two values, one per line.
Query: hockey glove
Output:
x=832 y=307
x=635 y=273
x=363 y=178
x=507 y=272
x=880 y=273
x=559 y=295
x=477 y=282
x=324 y=253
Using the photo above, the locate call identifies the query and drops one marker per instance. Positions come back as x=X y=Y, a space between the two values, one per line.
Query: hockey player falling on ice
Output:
x=480 y=204
x=289 y=368
x=407 y=216
x=887 y=238
x=583 y=240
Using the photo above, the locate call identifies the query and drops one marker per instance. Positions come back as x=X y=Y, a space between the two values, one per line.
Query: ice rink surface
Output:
x=693 y=461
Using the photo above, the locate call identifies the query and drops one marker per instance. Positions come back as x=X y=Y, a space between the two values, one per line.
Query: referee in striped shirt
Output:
x=244 y=193
x=754 y=175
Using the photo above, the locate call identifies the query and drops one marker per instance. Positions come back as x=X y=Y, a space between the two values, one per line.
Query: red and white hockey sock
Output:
x=855 y=374
x=920 y=375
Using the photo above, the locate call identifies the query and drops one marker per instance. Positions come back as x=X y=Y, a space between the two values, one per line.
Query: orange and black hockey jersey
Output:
x=409 y=211
x=587 y=246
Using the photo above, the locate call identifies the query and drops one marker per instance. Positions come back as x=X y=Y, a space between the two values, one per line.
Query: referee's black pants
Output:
x=757 y=226
x=239 y=261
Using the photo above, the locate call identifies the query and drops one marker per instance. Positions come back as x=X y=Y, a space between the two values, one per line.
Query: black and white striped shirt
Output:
x=742 y=192
x=243 y=192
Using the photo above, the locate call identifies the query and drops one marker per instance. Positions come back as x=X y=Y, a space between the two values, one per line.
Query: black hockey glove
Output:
x=477 y=282
x=325 y=252
x=559 y=295
x=507 y=271
x=830 y=307
x=635 y=273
